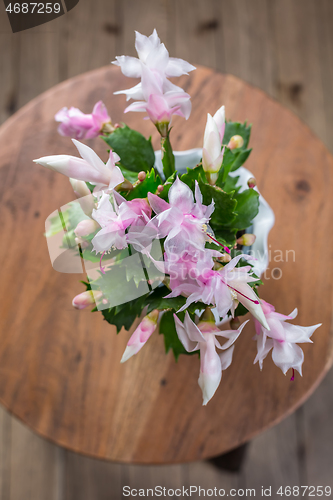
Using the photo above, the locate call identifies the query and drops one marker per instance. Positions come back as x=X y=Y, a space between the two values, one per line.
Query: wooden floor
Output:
x=284 y=47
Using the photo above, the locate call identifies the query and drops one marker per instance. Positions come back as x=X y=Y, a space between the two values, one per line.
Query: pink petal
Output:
x=157 y=204
x=181 y=196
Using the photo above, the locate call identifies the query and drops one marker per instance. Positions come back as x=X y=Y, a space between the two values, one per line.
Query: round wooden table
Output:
x=60 y=370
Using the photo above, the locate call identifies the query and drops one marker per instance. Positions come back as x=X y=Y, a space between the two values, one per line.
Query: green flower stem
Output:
x=168 y=159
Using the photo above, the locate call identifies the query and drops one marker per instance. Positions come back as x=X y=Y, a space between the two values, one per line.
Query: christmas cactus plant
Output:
x=166 y=246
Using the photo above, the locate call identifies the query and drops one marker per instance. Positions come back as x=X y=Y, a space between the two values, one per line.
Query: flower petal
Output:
x=181 y=196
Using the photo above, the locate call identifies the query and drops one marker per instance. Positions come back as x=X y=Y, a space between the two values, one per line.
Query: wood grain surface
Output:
x=59 y=368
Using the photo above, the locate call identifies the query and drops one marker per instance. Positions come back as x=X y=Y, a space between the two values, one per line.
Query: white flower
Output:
x=89 y=168
x=282 y=338
x=203 y=337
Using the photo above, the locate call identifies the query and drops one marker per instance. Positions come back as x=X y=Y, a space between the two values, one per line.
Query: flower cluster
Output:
x=201 y=277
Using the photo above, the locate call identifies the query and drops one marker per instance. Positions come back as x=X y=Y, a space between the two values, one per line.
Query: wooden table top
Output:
x=60 y=370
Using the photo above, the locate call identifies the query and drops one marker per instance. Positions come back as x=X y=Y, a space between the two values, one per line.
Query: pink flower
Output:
x=74 y=123
x=282 y=338
x=160 y=105
x=185 y=268
x=156 y=94
x=203 y=337
x=89 y=168
x=223 y=288
x=182 y=221
x=138 y=339
x=115 y=219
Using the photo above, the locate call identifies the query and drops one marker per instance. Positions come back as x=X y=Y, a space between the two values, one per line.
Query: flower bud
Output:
x=86 y=299
x=212 y=156
x=82 y=192
x=219 y=119
x=235 y=323
x=246 y=240
x=125 y=186
x=207 y=316
x=252 y=182
x=86 y=227
x=225 y=257
x=160 y=188
x=107 y=128
x=140 y=336
x=141 y=176
x=236 y=142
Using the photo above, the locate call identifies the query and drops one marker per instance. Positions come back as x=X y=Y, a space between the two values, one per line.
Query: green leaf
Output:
x=128 y=174
x=241 y=157
x=229 y=159
x=166 y=186
x=247 y=208
x=232 y=160
x=225 y=236
x=135 y=151
x=126 y=315
x=171 y=340
x=192 y=175
x=156 y=300
x=230 y=185
x=224 y=212
x=236 y=128
x=168 y=159
x=149 y=185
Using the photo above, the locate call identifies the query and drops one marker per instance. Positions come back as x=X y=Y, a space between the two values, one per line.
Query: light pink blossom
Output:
x=140 y=336
x=74 y=123
x=282 y=339
x=203 y=337
x=182 y=221
x=160 y=105
x=88 y=168
x=223 y=288
x=155 y=94
x=115 y=218
x=153 y=55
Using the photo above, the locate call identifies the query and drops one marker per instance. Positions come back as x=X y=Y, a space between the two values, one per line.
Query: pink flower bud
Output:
x=86 y=299
x=252 y=182
x=246 y=240
x=86 y=227
x=225 y=257
x=141 y=176
x=236 y=142
x=138 y=339
x=160 y=188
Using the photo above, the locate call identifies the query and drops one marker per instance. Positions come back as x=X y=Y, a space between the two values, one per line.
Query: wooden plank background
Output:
x=285 y=47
